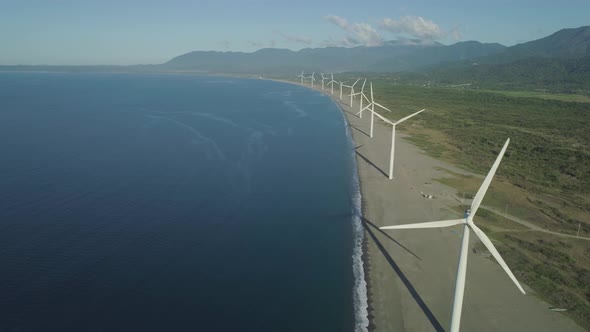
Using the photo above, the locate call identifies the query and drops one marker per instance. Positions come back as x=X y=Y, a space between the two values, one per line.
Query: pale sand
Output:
x=411 y=273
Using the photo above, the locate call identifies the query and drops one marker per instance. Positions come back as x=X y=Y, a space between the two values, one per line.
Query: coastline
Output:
x=410 y=274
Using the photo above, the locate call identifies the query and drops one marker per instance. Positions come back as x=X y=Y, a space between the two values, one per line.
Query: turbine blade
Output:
x=430 y=224
x=409 y=116
x=355 y=82
x=368 y=107
x=384 y=119
x=488 y=243
x=486 y=182
x=383 y=107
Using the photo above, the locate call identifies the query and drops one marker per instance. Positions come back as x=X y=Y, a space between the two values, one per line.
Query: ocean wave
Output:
x=360 y=296
x=300 y=113
x=204 y=115
x=197 y=136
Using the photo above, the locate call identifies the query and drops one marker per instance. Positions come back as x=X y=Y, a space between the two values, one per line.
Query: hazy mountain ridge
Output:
x=565 y=43
x=559 y=62
x=392 y=56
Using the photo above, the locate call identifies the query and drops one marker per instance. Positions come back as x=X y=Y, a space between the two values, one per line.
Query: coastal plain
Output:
x=411 y=273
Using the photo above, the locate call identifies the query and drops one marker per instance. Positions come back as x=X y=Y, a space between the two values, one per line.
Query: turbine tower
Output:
x=352 y=90
x=363 y=96
x=393 y=125
x=331 y=83
x=371 y=107
x=312 y=79
x=467 y=225
x=323 y=79
x=302 y=77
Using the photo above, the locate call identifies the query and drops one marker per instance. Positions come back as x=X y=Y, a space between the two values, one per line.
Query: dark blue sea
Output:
x=135 y=202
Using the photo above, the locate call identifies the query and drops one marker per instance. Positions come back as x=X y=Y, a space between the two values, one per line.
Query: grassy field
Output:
x=579 y=98
x=544 y=177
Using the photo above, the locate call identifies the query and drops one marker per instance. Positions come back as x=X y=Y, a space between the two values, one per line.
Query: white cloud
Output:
x=296 y=39
x=456 y=33
x=226 y=44
x=271 y=43
x=414 y=26
x=358 y=33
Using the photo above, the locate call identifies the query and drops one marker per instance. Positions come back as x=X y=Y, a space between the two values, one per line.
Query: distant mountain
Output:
x=565 y=43
x=392 y=56
x=559 y=62
x=437 y=55
x=555 y=74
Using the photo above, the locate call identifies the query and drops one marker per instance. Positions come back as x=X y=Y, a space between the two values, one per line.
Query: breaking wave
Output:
x=360 y=297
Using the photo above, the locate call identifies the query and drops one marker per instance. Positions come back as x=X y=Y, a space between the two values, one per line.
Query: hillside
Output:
x=565 y=43
x=552 y=74
x=393 y=56
x=558 y=63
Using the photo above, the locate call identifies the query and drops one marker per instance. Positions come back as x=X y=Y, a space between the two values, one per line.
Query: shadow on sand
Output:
x=370 y=163
x=435 y=323
x=361 y=131
x=349 y=112
x=368 y=223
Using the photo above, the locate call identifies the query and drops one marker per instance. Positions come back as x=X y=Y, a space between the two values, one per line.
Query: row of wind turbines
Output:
x=371 y=103
x=466 y=222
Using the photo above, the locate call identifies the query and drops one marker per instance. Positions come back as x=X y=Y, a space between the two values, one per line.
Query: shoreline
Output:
x=410 y=274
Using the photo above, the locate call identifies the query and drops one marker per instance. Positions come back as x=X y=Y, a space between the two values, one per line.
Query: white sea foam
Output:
x=197 y=136
x=292 y=106
x=201 y=114
x=360 y=296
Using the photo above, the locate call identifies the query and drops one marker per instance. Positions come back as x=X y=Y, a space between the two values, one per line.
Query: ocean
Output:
x=139 y=202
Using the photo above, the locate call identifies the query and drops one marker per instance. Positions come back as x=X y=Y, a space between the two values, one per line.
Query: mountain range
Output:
x=560 y=61
x=393 y=56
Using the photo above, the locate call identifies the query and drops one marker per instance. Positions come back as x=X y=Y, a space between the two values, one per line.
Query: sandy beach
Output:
x=411 y=273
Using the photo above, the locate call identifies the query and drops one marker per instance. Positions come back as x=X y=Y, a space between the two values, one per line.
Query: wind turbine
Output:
x=393 y=125
x=331 y=83
x=352 y=90
x=371 y=107
x=323 y=79
x=468 y=224
x=312 y=79
x=362 y=94
x=302 y=77
x=341 y=85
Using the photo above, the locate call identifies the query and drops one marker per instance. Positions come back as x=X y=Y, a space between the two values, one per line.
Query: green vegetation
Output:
x=550 y=140
x=544 y=177
x=580 y=98
x=557 y=269
x=535 y=73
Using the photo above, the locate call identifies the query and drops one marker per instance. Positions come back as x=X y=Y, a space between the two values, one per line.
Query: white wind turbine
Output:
x=371 y=107
x=393 y=125
x=341 y=85
x=331 y=83
x=352 y=94
x=468 y=224
x=312 y=78
x=323 y=79
x=363 y=96
x=302 y=77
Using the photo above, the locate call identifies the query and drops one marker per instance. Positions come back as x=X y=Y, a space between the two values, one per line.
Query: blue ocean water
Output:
x=175 y=203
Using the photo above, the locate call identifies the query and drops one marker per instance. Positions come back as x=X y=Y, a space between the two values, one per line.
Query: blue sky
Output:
x=134 y=31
